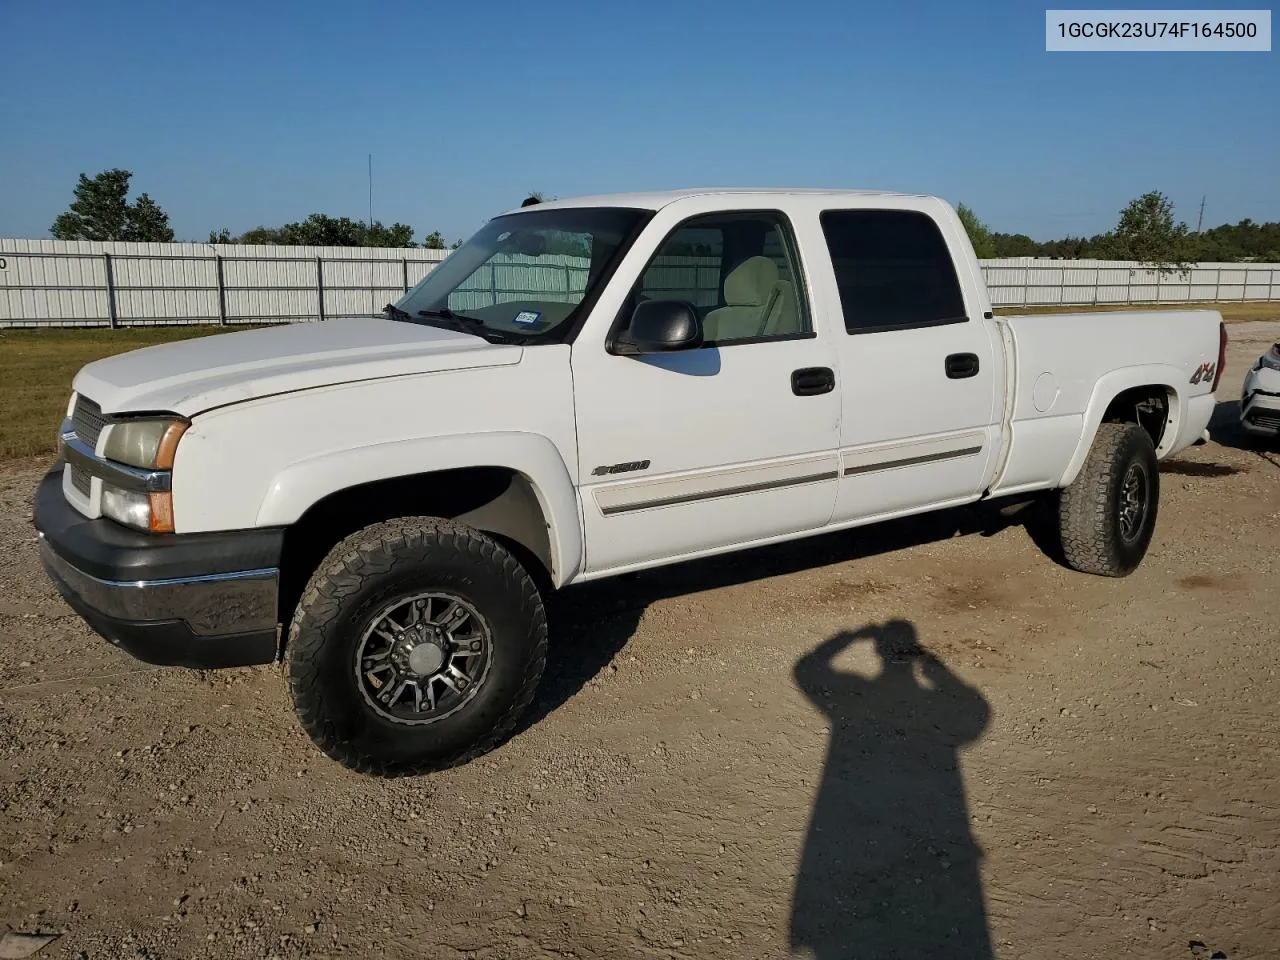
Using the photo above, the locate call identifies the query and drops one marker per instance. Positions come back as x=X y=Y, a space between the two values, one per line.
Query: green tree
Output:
x=220 y=236
x=146 y=222
x=1148 y=233
x=321 y=230
x=100 y=210
x=259 y=235
x=396 y=235
x=979 y=235
x=434 y=241
x=1014 y=245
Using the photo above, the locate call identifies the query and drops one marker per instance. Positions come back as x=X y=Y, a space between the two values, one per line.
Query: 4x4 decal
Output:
x=1204 y=372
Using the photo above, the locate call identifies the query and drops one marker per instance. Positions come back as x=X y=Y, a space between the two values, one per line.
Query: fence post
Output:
x=111 y=290
x=1217 y=286
x=1062 y=286
x=222 y=290
x=1271 y=280
x=319 y=289
x=1128 y=285
x=1097 y=276
x=1159 y=280
x=404 y=273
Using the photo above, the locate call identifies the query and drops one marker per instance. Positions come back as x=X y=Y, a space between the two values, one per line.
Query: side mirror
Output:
x=659 y=326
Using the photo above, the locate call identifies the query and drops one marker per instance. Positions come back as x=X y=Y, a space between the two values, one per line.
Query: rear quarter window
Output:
x=893 y=270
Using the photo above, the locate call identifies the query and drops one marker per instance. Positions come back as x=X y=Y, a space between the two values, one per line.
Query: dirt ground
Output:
x=921 y=739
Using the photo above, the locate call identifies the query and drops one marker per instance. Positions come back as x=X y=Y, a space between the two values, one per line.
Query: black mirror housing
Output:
x=660 y=326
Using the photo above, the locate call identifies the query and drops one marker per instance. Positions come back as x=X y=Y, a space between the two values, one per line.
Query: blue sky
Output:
x=237 y=114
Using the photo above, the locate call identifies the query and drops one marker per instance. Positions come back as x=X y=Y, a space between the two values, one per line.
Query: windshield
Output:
x=526 y=274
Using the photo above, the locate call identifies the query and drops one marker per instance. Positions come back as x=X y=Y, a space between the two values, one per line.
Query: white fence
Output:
x=1027 y=281
x=87 y=284
x=82 y=283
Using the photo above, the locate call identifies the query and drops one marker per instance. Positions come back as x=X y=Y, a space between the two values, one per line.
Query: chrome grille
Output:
x=81 y=480
x=88 y=421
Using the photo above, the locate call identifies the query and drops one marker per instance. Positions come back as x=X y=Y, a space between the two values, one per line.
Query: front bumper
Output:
x=191 y=600
x=1260 y=402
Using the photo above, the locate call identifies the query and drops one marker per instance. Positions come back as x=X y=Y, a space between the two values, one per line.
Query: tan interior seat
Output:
x=757 y=304
x=749 y=290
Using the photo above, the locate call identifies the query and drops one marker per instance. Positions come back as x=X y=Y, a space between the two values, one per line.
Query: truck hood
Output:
x=191 y=376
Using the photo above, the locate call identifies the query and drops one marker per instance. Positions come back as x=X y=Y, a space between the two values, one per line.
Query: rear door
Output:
x=693 y=451
x=921 y=375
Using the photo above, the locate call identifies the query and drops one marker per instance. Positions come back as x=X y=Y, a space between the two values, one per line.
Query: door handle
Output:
x=962 y=365
x=811 y=381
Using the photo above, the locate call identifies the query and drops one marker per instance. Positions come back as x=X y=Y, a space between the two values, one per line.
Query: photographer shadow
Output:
x=889 y=867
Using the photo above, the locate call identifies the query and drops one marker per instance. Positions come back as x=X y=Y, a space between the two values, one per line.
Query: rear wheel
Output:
x=416 y=646
x=1108 y=513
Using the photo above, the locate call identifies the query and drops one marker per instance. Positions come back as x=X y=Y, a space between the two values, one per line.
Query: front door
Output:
x=692 y=451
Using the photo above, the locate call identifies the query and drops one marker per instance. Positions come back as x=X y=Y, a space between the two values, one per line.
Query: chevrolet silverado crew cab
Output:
x=586 y=387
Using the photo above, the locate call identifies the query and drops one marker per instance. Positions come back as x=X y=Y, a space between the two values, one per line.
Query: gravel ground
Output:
x=925 y=738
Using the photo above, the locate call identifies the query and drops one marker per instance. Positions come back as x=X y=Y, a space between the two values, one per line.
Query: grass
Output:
x=37 y=366
x=36 y=369
x=1232 y=312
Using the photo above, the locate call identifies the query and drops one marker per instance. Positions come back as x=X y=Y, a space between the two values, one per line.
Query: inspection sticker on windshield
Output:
x=528 y=316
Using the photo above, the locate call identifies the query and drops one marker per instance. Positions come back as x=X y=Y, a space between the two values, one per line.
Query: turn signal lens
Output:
x=168 y=447
x=161 y=512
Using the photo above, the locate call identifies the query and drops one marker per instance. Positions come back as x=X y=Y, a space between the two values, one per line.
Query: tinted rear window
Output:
x=893 y=270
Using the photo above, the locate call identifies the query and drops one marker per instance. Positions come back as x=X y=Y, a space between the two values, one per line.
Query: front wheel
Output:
x=416 y=646
x=1106 y=516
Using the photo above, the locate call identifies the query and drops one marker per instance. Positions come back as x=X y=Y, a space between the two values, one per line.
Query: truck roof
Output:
x=657 y=199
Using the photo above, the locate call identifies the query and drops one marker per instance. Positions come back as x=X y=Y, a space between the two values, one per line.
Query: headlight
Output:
x=149 y=444
x=146 y=445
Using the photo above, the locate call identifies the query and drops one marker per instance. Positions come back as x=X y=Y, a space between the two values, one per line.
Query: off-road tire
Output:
x=363 y=572
x=1089 y=514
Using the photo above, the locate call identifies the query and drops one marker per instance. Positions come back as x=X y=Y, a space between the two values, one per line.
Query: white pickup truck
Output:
x=586 y=387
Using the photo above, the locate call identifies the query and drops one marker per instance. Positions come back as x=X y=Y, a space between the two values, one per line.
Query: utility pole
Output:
x=1200 y=221
x=371 y=193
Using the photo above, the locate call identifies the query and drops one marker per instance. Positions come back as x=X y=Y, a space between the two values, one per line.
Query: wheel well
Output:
x=497 y=500
x=1148 y=406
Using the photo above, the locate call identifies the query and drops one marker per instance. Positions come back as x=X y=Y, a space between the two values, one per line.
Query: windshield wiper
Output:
x=474 y=325
x=395 y=313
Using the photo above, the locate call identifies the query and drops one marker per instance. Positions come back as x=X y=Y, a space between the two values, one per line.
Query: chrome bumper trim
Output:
x=212 y=605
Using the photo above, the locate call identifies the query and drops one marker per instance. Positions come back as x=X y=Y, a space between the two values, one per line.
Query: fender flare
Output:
x=1110 y=386
x=302 y=484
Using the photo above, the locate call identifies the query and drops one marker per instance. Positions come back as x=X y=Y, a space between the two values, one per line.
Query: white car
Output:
x=1260 y=398
x=585 y=388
